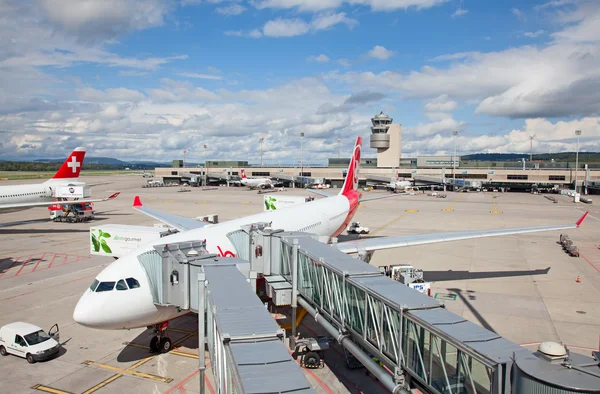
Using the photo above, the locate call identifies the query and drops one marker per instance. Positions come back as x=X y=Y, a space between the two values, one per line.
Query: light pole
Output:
x=339 y=147
x=301 y=153
x=184 y=152
x=531 y=137
x=261 y=150
x=455 y=134
x=204 y=165
x=577 y=133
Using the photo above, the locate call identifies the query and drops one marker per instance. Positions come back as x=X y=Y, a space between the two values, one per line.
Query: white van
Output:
x=29 y=341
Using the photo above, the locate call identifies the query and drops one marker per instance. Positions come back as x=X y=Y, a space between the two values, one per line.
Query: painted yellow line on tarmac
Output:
x=47 y=389
x=495 y=210
x=175 y=352
x=412 y=210
x=152 y=198
x=450 y=208
x=116 y=376
x=201 y=202
x=168 y=200
x=361 y=206
x=385 y=225
x=246 y=202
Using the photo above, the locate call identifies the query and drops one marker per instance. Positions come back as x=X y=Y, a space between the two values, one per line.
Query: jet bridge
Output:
x=418 y=341
x=246 y=346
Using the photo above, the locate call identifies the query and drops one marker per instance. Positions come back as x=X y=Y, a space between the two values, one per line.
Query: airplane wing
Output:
x=179 y=222
x=381 y=196
x=373 y=244
x=320 y=192
x=49 y=203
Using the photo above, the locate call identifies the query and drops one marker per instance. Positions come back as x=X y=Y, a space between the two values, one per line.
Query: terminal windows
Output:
x=556 y=178
x=261 y=173
x=515 y=177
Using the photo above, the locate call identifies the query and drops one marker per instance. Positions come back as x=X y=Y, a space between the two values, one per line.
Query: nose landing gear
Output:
x=160 y=342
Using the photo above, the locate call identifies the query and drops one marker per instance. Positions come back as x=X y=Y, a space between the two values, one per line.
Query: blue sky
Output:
x=145 y=79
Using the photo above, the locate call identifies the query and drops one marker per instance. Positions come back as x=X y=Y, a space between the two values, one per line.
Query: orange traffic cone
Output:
x=578 y=280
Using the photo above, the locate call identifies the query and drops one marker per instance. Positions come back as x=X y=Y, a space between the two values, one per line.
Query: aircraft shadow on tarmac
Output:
x=442 y=276
x=7 y=263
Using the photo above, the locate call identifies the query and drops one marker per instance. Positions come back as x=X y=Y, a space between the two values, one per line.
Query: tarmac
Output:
x=523 y=287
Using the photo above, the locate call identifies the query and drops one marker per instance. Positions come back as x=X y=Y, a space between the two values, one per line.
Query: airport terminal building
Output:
x=389 y=166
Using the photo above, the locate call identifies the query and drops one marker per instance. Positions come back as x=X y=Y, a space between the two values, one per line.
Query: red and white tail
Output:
x=351 y=182
x=71 y=168
x=244 y=174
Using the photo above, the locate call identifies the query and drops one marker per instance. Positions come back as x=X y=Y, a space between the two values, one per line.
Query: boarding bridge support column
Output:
x=294 y=292
x=201 y=325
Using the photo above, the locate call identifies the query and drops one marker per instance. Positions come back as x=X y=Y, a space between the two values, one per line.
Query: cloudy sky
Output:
x=145 y=79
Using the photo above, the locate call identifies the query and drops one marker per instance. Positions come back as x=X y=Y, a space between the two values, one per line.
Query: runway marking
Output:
x=495 y=209
x=180 y=384
x=246 y=202
x=174 y=351
x=450 y=208
x=361 y=206
x=47 y=389
x=200 y=202
x=15 y=296
x=116 y=376
x=385 y=225
x=135 y=373
x=412 y=210
x=22 y=262
x=168 y=201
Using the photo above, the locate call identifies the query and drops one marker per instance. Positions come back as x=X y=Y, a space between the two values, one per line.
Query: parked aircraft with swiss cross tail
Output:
x=120 y=296
x=253 y=183
x=20 y=197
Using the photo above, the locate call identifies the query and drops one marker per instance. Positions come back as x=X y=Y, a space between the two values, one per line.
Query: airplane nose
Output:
x=85 y=313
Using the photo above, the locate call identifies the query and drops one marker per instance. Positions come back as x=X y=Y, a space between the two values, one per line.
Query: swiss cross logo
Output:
x=74 y=164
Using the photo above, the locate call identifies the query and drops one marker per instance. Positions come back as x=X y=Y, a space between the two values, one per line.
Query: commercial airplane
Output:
x=20 y=197
x=120 y=296
x=253 y=183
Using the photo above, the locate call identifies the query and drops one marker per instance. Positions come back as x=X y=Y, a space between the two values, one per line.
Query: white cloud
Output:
x=345 y=62
x=319 y=59
x=441 y=103
x=282 y=27
x=375 y=5
x=92 y=19
x=517 y=12
x=534 y=34
x=110 y=95
x=379 y=52
x=178 y=91
x=200 y=76
x=459 y=12
x=554 y=4
x=558 y=79
x=230 y=10
x=285 y=28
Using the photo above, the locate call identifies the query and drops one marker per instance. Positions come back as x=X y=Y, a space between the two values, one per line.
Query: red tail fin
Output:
x=72 y=166
x=243 y=174
x=351 y=182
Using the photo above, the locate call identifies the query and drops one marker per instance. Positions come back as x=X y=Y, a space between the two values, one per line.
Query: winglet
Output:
x=137 y=202
x=582 y=219
x=114 y=195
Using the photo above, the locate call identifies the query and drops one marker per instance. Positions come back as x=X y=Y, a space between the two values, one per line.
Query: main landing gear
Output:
x=160 y=342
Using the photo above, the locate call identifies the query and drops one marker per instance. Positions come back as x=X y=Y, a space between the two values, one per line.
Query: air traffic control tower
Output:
x=387 y=139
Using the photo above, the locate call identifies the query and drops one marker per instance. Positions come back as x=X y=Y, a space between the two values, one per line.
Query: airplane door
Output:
x=54 y=333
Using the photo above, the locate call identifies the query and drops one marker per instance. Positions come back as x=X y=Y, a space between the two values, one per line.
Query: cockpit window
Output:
x=121 y=285
x=105 y=286
x=94 y=285
x=133 y=283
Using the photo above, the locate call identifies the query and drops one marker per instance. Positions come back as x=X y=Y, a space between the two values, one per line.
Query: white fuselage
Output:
x=256 y=182
x=135 y=308
x=31 y=193
x=23 y=194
